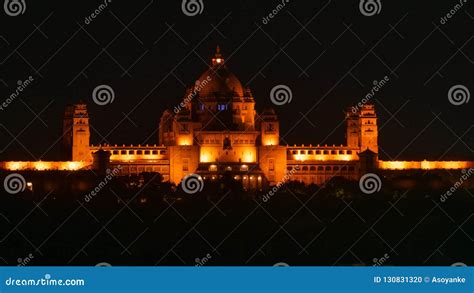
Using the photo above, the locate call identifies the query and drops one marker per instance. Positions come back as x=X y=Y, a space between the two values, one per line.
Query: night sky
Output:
x=327 y=52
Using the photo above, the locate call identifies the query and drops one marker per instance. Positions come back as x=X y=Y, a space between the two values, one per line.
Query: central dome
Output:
x=219 y=81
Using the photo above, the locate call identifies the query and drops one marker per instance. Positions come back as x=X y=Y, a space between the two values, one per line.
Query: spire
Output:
x=217 y=60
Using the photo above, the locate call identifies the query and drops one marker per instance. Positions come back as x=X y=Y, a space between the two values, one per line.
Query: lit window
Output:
x=222 y=107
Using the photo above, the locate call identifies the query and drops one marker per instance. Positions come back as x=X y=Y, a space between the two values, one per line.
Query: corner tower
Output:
x=368 y=128
x=76 y=133
x=352 y=128
x=361 y=128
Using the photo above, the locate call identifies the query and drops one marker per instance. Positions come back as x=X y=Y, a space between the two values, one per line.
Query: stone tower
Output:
x=361 y=128
x=76 y=133
x=352 y=128
x=368 y=128
x=270 y=128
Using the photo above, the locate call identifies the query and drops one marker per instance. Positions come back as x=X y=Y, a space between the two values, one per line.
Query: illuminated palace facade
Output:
x=216 y=131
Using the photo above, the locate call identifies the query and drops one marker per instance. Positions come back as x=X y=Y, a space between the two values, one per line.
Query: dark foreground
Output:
x=142 y=221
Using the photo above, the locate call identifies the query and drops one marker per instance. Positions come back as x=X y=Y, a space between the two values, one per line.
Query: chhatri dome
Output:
x=223 y=82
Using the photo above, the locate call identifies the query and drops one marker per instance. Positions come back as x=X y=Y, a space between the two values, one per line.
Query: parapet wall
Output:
x=43 y=165
x=424 y=165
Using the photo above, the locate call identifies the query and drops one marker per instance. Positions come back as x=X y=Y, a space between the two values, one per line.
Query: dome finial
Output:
x=218 y=60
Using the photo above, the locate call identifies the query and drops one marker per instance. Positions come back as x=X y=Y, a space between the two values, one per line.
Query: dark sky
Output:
x=327 y=52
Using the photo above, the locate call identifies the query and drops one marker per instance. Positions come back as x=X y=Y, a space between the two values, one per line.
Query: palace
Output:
x=215 y=131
